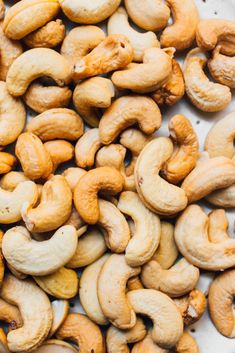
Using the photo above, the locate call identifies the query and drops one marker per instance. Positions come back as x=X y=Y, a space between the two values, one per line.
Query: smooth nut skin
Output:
x=7 y=162
x=60 y=151
x=28 y=15
x=42 y=63
x=86 y=148
x=129 y=110
x=222 y=68
x=48 y=36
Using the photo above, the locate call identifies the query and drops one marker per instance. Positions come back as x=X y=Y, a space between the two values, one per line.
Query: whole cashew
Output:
x=92 y=95
x=93 y=12
x=28 y=15
x=148 y=76
x=36 y=63
x=60 y=309
x=129 y=110
x=7 y=162
x=156 y=193
x=85 y=193
x=118 y=24
x=203 y=93
x=36 y=312
x=10 y=180
x=213 y=32
x=147 y=345
x=113 y=53
x=60 y=151
x=48 y=36
x=39 y=258
x=222 y=68
x=146 y=237
x=86 y=148
x=72 y=176
x=182 y=33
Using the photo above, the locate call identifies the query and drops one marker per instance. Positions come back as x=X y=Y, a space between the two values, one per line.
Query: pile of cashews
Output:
x=124 y=234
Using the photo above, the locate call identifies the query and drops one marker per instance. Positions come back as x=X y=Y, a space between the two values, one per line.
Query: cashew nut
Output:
x=134 y=283
x=129 y=110
x=10 y=314
x=10 y=180
x=86 y=148
x=60 y=309
x=90 y=95
x=223 y=197
x=7 y=162
x=147 y=345
x=53 y=345
x=60 y=151
x=203 y=93
x=72 y=176
x=187 y=344
x=222 y=68
x=48 y=36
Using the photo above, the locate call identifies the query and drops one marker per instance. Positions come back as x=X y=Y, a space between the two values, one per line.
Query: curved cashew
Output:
x=60 y=151
x=39 y=258
x=60 y=309
x=57 y=346
x=156 y=193
x=182 y=33
x=167 y=321
x=89 y=13
x=41 y=98
x=60 y=123
x=199 y=246
x=10 y=180
x=221 y=294
x=36 y=63
x=113 y=53
x=146 y=237
x=185 y=153
x=36 y=322
x=88 y=294
x=213 y=32
x=28 y=15
x=223 y=197
x=7 y=162
x=86 y=148
x=112 y=291
x=203 y=93
x=129 y=110
x=153 y=73
x=147 y=345
x=83 y=332
x=62 y=284
x=93 y=94
x=72 y=176
x=150 y=15
x=118 y=24
x=48 y=36
x=222 y=68
x=134 y=283
x=10 y=314
x=85 y=193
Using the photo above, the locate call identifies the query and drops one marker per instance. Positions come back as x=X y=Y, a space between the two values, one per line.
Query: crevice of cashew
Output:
x=72 y=176
x=7 y=162
x=61 y=151
x=87 y=147
x=222 y=68
x=60 y=310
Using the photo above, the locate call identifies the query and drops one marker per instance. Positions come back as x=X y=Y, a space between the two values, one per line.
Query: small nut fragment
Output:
x=48 y=36
x=7 y=162
x=222 y=68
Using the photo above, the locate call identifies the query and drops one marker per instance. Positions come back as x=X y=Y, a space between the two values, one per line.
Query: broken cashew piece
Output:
x=222 y=68
x=61 y=151
x=60 y=309
x=86 y=148
x=7 y=162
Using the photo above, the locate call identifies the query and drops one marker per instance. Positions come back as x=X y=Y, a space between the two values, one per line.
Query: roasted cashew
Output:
x=113 y=53
x=57 y=346
x=72 y=176
x=10 y=314
x=147 y=345
x=76 y=221
x=10 y=180
x=129 y=110
x=42 y=63
x=187 y=344
x=60 y=309
x=28 y=15
x=223 y=197
x=134 y=283
x=48 y=36
x=203 y=93
x=156 y=193
x=222 y=68
x=7 y=162
x=83 y=332
x=118 y=24
x=86 y=148
x=91 y=95
x=36 y=312
x=148 y=76
x=60 y=151
x=85 y=193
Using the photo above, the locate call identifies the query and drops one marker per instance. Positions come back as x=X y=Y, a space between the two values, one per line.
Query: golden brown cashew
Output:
x=221 y=294
x=36 y=322
x=10 y=180
x=36 y=63
x=85 y=193
x=213 y=32
x=129 y=110
x=156 y=193
x=187 y=344
x=72 y=176
x=113 y=53
x=185 y=155
x=28 y=15
x=54 y=208
x=60 y=309
x=147 y=345
x=7 y=162
x=118 y=24
x=149 y=15
x=199 y=246
x=48 y=36
x=60 y=151
x=148 y=76
x=167 y=321
x=41 y=98
x=112 y=291
x=222 y=68
x=10 y=314
x=91 y=95
x=86 y=148
x=57 y=346
x=83 y=332
x=3 y=341
x=146 y=237
x=182 y=33
x=134 y=283
x=203 y=93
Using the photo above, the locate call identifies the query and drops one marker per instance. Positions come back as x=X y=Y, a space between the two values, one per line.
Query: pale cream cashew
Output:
x=61 y=151
x=129 y=110
x=36 y=312
x=16 y=273
x=60 y=310
x=36 y=63
x=55 y=346
x=222 y=68
x=156 y=193
x=39 y=258
x=72 y=176
x=54 y=208
x=10 y=180
x=7 y=162
x=167 y=321
x=112 y=291
x=197 y=244
x=223 y=197
x=118 y=24
x=92 y=95
x=10 y=314
x=86 y=148
x=146 y=237
x=134 y=283
x=147 y=345
x=203 y=93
